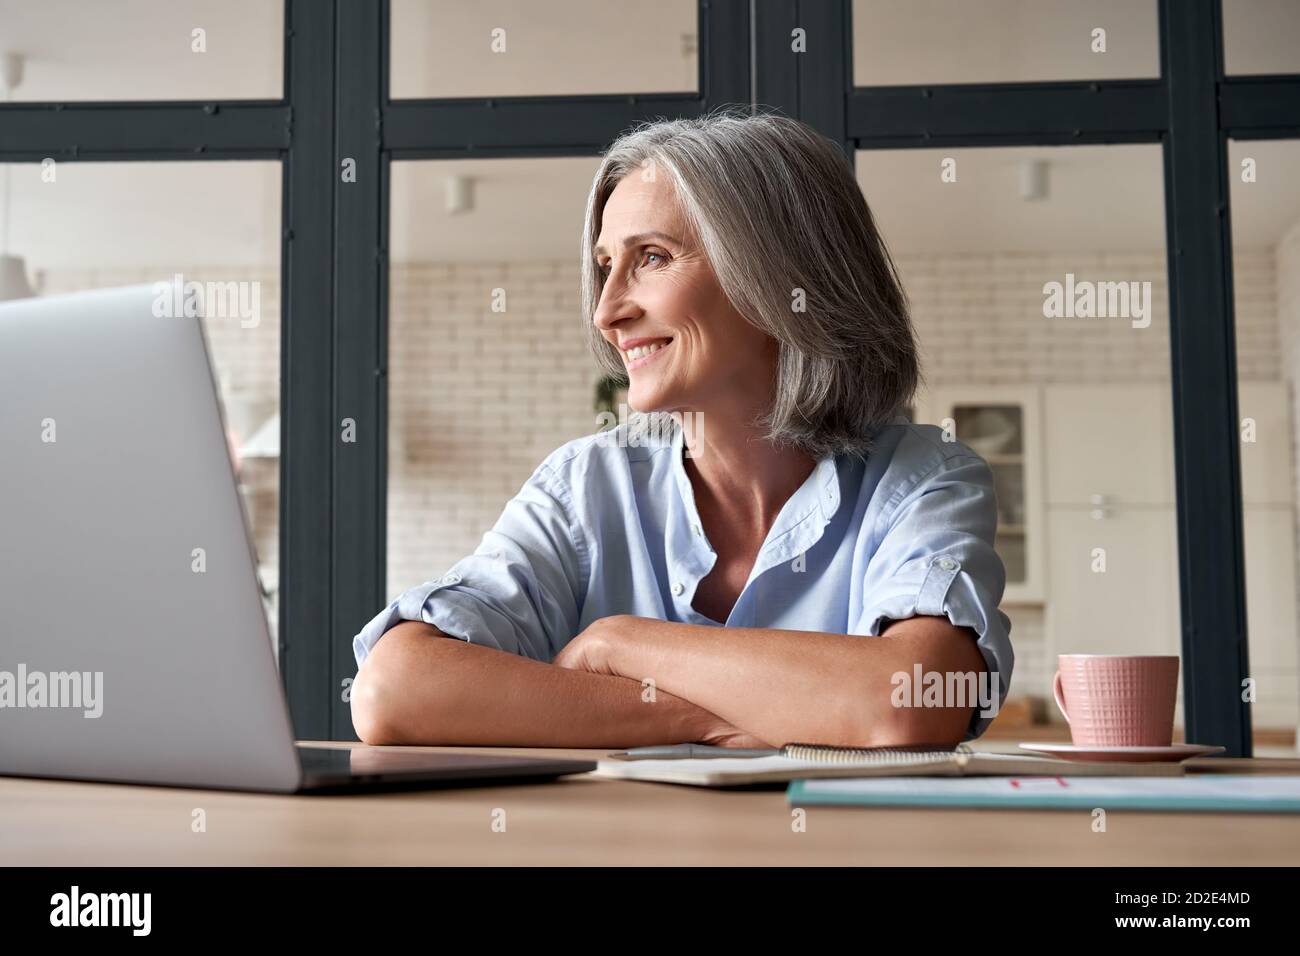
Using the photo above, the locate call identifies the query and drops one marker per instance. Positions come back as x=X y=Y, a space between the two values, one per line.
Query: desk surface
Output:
x=586 y=821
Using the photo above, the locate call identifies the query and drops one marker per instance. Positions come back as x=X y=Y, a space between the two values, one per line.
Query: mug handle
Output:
x=1057 y=693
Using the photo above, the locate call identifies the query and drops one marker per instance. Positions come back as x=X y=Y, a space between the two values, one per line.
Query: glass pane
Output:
x=478 y=396
x=1038 y=286
x=1261 y=36
x=903 y=42
x=1266 y=286
x=522 y=48
x=994 y=431
x=146 y=49
x=78 y=226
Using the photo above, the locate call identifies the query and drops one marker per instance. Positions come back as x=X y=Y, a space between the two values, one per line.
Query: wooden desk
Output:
x=588 y=821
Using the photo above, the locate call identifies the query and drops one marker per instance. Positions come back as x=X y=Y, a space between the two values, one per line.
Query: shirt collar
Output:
x=818 y=496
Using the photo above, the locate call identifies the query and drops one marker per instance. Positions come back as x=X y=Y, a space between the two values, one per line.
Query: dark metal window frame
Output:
x=336 y=105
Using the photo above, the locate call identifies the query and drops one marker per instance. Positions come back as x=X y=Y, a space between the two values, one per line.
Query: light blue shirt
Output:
x=607 y=527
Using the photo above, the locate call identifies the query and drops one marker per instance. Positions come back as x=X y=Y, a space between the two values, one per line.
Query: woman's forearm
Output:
x=801 y=686
x=418 y=686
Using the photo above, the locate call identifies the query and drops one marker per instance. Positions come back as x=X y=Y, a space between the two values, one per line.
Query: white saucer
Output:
x=1173 y=752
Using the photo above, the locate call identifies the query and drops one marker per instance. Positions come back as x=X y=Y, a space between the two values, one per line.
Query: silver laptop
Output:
x=134 y=644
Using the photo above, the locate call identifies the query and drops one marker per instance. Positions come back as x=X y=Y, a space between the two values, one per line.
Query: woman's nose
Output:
x=614 y=306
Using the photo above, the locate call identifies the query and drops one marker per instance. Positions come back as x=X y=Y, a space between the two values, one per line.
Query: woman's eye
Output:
x=603 y=270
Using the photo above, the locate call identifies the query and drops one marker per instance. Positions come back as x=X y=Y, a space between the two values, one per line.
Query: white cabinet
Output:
x=1002 y=425
x=1270 y=588
x=1114 y=582
x=1117 y=442
x=1271 y=614
x=1112 y=529
x=1109 y=445
x=1269 y=531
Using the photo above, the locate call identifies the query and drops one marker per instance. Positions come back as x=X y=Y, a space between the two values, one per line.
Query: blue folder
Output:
x=1233 y=793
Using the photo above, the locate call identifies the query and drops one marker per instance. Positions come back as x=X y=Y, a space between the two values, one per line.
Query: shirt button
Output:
x=696 y=528
x=452 y=578
x=678 y=588
x=948 y=564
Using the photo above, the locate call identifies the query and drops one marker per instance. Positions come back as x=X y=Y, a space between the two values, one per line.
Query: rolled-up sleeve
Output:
x=936 y=557
x=520 y=591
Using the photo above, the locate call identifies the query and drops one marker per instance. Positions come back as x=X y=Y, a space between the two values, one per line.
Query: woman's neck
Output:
x=741 y=477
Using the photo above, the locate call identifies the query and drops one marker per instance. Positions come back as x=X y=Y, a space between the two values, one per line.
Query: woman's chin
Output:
x=646 y=401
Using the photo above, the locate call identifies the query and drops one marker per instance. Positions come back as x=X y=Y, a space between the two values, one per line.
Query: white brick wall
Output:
x=980 y=321
x=477 y=399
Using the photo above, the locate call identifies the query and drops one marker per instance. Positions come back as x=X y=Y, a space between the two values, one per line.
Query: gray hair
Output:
x=779 y=214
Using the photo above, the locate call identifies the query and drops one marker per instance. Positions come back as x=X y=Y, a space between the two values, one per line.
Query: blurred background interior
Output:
x=1074 y=414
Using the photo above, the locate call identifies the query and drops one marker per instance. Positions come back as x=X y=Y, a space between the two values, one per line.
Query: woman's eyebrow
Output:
x=641 y=237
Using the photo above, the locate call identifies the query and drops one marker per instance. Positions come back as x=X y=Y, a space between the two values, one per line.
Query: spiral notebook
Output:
x=811 y=761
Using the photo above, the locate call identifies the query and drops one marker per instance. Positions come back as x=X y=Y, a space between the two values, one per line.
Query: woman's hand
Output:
x=725 y=735
x=595 y=650
x=592 y=650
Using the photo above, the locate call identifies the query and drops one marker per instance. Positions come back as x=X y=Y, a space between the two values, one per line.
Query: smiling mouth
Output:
x=643 y=354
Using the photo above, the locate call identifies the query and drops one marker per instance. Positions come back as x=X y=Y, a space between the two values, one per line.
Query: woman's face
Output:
x=690 y=349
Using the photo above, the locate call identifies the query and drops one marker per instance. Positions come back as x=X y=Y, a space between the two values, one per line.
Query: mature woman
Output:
x=785 y=572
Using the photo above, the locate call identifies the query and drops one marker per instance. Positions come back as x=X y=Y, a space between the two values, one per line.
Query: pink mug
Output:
x=1117 y=700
